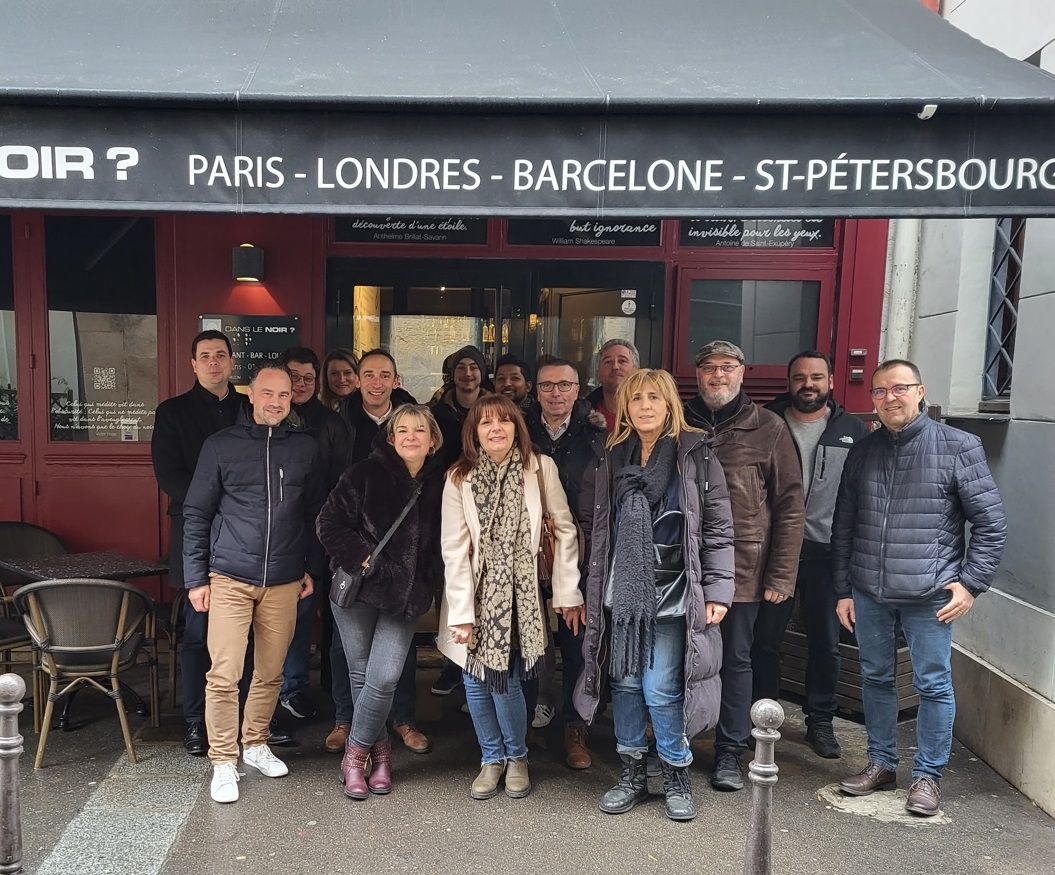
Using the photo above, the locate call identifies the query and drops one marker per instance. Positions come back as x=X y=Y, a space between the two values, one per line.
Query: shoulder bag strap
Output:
x=381 y=544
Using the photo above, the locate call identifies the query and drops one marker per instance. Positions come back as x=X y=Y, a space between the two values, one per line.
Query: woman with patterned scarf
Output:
x=656 y=510
x=492 y=621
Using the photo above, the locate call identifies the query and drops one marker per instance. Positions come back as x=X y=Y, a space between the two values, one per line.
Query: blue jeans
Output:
x=660 y=693
x=500 y=719
x=375 y=646
x=295 y=669
x=930 y=647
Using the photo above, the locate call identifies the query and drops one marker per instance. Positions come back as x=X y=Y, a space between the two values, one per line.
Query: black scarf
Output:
x=639 y=493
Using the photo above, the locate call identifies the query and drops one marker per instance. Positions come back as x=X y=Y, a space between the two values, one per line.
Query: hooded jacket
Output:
x=898 y=532
x=403 y=580
x=250 y=511
x=709 y=563
x=764 y=475
x=841 y=433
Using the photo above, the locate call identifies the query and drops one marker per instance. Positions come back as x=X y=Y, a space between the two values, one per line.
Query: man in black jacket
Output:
x=564 y=428
x=249 y=554
x=823 y=433
x=331 y=434
x=901 y=555
x=181 y=425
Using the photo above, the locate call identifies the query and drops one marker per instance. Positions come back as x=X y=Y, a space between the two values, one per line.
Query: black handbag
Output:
x=345 y=588
x=672 y=582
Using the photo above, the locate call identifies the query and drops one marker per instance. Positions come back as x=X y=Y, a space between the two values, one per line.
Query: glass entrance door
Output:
x=423 y=313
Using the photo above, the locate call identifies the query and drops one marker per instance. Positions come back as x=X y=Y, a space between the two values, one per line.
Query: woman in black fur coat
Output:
x=399 y=585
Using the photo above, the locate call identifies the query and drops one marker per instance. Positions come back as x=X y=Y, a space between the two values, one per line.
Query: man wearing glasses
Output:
x=901 y=557
x=764 y=477
x=564 y=427
x=331 y=434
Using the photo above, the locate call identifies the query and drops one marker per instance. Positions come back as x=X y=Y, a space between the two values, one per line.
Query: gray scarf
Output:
x=639 y=495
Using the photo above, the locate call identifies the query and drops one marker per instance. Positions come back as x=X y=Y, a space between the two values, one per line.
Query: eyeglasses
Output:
x=711 y=369
x=879 y=393
x=563 y=385
x=306 y=379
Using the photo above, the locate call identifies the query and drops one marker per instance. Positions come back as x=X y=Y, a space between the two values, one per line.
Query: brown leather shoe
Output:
x=924 y=797
x=576 y=753
x=338 y=737
x=874 y=777
x=412 y=738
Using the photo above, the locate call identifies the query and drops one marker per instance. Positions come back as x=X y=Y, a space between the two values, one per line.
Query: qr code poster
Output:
x=104 y=378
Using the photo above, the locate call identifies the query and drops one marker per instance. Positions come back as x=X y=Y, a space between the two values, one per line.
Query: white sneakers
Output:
x=224 y=787
x=261 y=759
x=543 y=716
x=224 y=783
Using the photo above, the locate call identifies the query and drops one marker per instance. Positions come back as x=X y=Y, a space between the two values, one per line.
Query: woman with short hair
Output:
x=399 y=585
x=655 y=508
x=492 y=619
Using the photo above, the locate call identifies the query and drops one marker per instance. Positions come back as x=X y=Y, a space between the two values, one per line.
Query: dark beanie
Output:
x=469 y=352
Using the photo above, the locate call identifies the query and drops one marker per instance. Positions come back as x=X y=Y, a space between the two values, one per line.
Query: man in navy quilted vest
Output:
x=901 y=555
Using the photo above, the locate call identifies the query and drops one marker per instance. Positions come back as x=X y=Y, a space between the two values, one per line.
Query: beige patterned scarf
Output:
x=508 y=612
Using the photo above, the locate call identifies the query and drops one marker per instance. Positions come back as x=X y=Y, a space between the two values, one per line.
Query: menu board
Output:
x=254 y=339
x=584 y=232
x=760 y=233
x=446 y=230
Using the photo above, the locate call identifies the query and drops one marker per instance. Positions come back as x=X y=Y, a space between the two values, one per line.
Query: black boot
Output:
x=631 y=788
x=678 y=786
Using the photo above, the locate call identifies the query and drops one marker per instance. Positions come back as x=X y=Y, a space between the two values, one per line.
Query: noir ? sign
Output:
x=255 y=340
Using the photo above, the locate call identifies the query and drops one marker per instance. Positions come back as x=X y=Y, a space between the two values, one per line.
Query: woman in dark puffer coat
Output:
x=399 y=585
x=656 y=483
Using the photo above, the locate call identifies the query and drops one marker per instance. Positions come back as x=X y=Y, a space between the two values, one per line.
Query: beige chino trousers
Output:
x=234 y=608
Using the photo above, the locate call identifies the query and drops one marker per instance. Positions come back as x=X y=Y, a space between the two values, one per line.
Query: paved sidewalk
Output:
x=88 y=811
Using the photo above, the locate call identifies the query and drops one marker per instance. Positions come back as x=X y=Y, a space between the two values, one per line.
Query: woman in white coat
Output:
x=492 y=619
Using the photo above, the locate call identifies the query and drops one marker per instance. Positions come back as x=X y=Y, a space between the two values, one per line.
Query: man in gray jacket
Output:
x=901 y=555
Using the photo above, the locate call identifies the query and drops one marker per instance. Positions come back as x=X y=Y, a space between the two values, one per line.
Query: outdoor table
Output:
x=101 y=564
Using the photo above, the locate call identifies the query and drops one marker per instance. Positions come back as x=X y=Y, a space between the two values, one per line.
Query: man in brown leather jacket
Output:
x=765 y=489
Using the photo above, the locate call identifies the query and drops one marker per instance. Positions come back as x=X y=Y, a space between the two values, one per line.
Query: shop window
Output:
x=770 y=319
x=1005 y=281
x=102 y=327
x=8 y=359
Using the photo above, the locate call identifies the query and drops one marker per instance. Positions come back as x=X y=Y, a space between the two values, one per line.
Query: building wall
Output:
x=1004 y=664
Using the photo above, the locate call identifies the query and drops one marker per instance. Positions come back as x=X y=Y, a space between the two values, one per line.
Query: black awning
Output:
x=533 y=107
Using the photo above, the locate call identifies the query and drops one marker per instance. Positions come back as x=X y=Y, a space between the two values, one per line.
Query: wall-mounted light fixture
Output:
x=247 y=263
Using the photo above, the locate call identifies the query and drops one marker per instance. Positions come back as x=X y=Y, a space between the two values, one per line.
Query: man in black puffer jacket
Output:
x=900 y=554
x=249 y=554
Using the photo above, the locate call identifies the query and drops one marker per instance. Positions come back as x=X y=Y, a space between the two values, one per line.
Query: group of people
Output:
x=670 y=539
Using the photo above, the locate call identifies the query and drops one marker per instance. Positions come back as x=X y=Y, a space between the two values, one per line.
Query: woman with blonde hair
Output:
x=492 y=619
x=655 y=509
x=340 y=377
x=402 y=473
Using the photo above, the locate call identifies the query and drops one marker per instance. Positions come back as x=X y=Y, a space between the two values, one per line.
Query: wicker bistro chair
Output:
x=87 y=632
x=15 y=637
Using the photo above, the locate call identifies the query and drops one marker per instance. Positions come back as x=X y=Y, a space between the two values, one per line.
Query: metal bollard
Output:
x=767 y=715
x=12 y=689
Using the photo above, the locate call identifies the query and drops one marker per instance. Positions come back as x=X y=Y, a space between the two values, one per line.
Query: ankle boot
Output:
x=380 y=780
x=353 y=771
x=631 y=788
x=678 y=786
